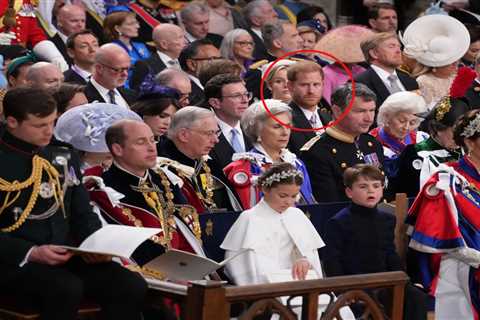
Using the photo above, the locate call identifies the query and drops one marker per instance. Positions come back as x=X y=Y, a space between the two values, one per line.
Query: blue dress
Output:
x=138 y=52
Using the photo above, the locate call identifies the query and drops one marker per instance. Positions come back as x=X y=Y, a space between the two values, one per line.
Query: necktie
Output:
x=174 y=64
x=111 y=95
x=313 y=120
x=394 y=87
x=236 y=145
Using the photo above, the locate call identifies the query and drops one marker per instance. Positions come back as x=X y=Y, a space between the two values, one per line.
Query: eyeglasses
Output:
x=245 y=43
x=207 y=59
x=209 y=133
x=116 y=70
x=240 y=96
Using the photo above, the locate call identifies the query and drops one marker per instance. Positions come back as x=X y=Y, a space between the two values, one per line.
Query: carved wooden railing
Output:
x=206 y=300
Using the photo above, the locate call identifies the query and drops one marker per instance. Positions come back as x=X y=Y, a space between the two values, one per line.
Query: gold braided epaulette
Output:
x=258 y=64
x=310 y=143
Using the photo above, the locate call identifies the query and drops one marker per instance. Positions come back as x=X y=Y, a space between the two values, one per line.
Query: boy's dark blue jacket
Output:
x=360 y=240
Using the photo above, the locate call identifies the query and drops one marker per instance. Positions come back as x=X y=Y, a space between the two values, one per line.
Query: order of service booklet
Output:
x=181 y=265
x=115 y=240
x=121 y=241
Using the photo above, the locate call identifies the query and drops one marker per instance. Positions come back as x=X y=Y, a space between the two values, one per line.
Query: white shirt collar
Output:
x=258 y=32
x=62 y=36
x=308 y=113
x=165 y=59
x=82 y=73
x=189 y=37
x=196 y=80
x=141 y=179
x=226 y=131
x=104 y=93
x=384 y=76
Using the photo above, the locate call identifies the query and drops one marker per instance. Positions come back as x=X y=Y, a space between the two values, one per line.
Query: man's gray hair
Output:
x=342 y=96
x=186 y=118
x=166 y=76
x=255 y=116
x=252 y=9
x=226 y=49
x=192 y=8
x=271 y=31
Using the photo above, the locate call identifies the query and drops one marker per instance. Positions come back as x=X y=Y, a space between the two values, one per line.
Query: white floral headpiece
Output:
x=472 y=128
x=277 y=177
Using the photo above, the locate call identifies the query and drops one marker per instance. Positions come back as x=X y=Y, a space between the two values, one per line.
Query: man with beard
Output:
x=305 y=83
x=149 y=198
x=343 y=145
x=193 y=133
x=384 y=54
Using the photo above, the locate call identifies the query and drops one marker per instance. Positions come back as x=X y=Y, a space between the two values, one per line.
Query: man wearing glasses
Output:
x=111 y=71
x=192 y=135
x=228 y=97
x=194 y=57
x=176 y=79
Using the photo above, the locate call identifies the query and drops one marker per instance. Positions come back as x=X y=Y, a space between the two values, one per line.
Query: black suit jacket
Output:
x=142 y=68
x=71 y=76
x=62 y=47
x=260 y=52
x=93 y=95
x=222 y=152
x=371 y=79
x=297 y=138
x=197 y=96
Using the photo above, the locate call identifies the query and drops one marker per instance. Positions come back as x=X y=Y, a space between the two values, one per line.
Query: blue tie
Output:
x=236 y=145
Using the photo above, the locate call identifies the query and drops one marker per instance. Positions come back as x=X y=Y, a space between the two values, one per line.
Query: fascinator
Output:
x=149 y=89
x=313 y=25
x=84 y=126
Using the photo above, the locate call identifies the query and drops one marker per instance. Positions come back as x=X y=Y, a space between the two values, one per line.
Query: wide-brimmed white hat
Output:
x=84 y=127
x=436 y=40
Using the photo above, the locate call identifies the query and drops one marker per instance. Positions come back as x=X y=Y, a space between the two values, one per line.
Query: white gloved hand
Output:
x=46 y=50
x=6 y=38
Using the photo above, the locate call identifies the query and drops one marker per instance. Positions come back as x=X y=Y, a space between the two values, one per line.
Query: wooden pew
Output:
x=206 y=300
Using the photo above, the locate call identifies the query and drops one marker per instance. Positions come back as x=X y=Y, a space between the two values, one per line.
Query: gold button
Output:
x=370 y=144
x=343 y=165
x=334 y=151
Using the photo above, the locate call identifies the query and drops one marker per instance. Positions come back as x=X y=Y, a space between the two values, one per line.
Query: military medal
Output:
x=46 y=190
x=72 y=179
x=359 y=154
x=372 y=159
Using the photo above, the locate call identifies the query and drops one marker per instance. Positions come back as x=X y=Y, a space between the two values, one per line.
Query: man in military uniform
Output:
x=343 y=145
x=45 y=206
x=149 y=198
x=19 y=25
x=192 y=135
